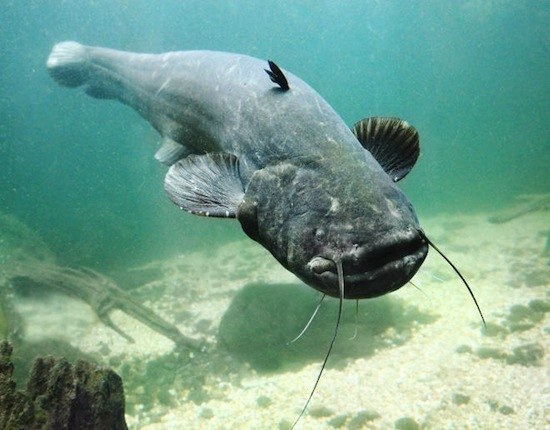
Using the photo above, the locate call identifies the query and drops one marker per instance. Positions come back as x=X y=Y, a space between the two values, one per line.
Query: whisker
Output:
x=356 y=320
x=419 y=289
x=310 y=320
x=429 y=242
x=340 y=271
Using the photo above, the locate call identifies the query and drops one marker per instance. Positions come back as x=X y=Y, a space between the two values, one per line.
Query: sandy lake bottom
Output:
x=420 y=357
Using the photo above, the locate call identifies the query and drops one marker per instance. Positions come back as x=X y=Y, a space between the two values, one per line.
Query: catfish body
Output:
x=273 y=154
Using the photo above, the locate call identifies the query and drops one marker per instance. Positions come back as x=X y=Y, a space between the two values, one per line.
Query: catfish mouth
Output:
x=371 y=272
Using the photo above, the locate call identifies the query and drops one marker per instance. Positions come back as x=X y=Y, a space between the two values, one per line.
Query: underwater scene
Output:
x=343 y=295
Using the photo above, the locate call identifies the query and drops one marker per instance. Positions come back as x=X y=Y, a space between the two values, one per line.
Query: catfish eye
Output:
x=319 y=234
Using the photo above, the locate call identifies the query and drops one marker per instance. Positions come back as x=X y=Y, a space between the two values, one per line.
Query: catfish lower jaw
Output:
x=372 y=282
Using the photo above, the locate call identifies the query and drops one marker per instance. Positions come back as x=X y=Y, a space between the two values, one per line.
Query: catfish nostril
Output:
x=320 y=265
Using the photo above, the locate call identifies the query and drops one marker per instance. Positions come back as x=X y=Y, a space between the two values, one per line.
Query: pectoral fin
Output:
x=208 y=185
x=394 y=143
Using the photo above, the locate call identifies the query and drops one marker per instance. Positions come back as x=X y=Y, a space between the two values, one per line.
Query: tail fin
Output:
x=67 y=64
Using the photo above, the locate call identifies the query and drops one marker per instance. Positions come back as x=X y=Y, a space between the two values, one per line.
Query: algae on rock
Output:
x=61 y=395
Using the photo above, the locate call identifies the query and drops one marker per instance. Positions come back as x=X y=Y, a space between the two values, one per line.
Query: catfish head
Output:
x=310 y=214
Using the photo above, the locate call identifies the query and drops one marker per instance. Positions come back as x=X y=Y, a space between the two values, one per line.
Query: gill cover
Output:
x=211 y=185
x=267 y=191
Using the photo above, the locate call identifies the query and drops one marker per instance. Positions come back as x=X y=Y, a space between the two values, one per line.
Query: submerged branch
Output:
x=530 y=203
x=101 y=293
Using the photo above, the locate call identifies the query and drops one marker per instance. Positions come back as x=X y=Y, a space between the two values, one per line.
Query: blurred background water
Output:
x=473 y=76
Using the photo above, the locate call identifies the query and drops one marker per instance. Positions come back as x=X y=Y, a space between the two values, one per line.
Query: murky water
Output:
x=80 y=189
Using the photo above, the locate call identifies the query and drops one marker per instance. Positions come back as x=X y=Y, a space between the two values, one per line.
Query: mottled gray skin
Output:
x=311 y=190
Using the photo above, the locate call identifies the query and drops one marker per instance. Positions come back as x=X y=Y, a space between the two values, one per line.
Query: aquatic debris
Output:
x=321 y=412
x=360 y=420
x=3 y=322
x=207 y=413
x=530 y=203
x=357 y=422
x=519 y=319
x=11 y=323
x=495 y=406
x=460 y=399
x=406 y=423
x=506 y=410
x=338 y=421
x=18 y=242
x=101 y=293
x=529 y=354
x=61 y=396
x=264 y=401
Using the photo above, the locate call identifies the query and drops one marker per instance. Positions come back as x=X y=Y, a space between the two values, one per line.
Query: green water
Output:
x=79 y=187
x=472 y=76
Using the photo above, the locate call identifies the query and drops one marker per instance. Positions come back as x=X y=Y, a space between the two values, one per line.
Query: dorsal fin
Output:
x=394 y=143
x=276 y=75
